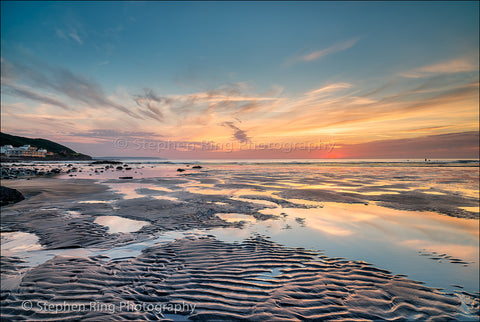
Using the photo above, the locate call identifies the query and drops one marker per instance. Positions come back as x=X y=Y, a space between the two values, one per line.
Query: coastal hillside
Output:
x=60 y=151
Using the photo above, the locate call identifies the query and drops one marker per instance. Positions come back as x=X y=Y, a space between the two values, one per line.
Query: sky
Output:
x=234 y=80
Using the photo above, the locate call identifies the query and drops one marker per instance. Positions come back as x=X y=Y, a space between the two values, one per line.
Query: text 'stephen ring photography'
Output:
x=239 y=161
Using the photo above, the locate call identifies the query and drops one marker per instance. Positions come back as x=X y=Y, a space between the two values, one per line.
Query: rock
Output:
x=106 y=162
x=8 y=196
x=119 y=168
x=180 y=170
x=197 y=167
x=125 y=177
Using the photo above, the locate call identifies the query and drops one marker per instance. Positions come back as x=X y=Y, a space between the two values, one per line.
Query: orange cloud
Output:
x=447 y=67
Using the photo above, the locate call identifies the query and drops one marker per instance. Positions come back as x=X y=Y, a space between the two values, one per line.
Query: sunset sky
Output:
x=244 y=79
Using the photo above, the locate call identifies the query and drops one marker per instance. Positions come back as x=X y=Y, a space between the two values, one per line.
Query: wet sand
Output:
x=99 y=240
x=256 y=280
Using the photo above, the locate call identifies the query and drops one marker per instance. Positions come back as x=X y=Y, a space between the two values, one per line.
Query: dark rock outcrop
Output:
x=105 y=162
x=8 y=196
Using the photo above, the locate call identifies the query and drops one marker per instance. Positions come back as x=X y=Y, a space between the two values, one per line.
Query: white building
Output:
x=5 y=148
x=22 y=151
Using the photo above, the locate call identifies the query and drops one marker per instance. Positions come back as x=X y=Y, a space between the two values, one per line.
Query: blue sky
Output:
x=282 y=50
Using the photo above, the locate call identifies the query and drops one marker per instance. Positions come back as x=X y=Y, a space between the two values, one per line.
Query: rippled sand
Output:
x=231 y=282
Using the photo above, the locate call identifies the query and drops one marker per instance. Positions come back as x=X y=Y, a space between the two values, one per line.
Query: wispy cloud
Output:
x=74 y=35
x=227 y=99
x=61 y=81
x=238 y=134
x=26 y=93
x=335 y=48
x=347 y=115
x=461 y=144
x=319 y=54
x=149 y=94
x=109 y=134
x=447 y=67
x=329 y=88
x=70 y=34
x=152 y=105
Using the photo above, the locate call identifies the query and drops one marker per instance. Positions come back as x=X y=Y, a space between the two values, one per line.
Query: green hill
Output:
x=59 y=150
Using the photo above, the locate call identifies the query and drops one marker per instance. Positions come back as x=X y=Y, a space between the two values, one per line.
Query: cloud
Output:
x=329 y=88
x=74 y=35
x=228 y=99
x=238 y=134
x=34 y=123
x=63 y=82
x=425 y=129
x=113 y=133
x=149 y=94
x=153 y=105
x=457 y=145
x=319 y=54
x=230 y=89
x=26 y=93
x=71 y=31
x=447 y=67
x=353 y=116
x=83 y=90
x=71 y=35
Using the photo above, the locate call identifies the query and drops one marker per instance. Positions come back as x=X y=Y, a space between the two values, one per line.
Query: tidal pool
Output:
x=18 y=242
x=396 y=240
x=118 y=224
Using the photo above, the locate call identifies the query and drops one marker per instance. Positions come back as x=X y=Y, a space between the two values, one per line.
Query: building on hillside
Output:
x=22 y=151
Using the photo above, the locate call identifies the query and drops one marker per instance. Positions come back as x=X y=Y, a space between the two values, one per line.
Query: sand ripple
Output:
x=254 y=280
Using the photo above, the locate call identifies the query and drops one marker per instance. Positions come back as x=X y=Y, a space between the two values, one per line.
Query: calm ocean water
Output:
x=372 y=162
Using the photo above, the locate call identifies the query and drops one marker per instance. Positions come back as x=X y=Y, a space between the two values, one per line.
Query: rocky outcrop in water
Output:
x=105 y=162
x=17 y=171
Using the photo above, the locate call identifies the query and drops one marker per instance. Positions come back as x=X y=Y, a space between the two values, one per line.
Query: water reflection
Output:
x=134 y=190
x=16 y=242
x=236 y=217
x=391 y=239
x=118 y=224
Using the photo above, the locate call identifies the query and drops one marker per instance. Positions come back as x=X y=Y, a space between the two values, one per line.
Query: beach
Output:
x=243 y=241
x=240 y=161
